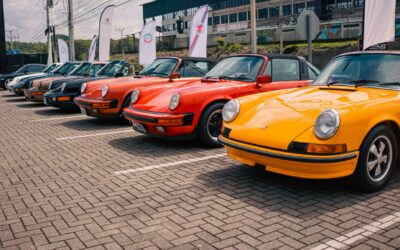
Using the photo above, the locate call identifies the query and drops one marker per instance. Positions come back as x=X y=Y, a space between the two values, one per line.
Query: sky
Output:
x=28 y=18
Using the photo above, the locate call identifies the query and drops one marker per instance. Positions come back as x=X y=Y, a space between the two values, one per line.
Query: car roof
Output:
x=386 y=52
x=270 y=56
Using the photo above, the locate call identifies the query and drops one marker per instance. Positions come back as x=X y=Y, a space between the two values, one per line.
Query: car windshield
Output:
x=22 y=69
x=50 y=68
x=81 y=69
x=112 y=69
x=162 y=67
x=66 y=68
x=362 y=69
x=242 y=68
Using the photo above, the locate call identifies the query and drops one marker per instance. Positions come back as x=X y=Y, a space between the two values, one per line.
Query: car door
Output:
x=285 y=73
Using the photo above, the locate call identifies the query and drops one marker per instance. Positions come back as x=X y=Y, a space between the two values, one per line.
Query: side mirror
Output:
x=264 y=79
x=174 y=76
x=119 y=74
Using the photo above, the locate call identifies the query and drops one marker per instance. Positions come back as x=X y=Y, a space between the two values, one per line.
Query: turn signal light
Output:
x=63 y=99
x=101 y=105
x=326 y=149
x=170 y=121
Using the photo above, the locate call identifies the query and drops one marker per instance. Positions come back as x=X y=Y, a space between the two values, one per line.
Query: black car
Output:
x=26 y=69
x=65 y=69
x=62 y=93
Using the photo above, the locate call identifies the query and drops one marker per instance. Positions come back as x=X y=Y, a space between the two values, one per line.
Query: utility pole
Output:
x=71 y=31
x=253 y=13
x=3 y=55
x=122 y=41
x=49 y=4
x=12 y=37
x=281 y=29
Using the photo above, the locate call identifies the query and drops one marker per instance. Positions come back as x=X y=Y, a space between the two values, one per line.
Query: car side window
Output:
x=285 y=70
x=312 y=73
x=268 y=69
x=193 y=69
x=34 y=68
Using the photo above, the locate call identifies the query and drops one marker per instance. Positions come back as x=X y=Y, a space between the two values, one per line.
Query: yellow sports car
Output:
x=345 y=124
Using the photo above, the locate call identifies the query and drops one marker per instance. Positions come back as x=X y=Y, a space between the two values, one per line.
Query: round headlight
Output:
x=104 y=91
x=327 y=124
x=173 y=104
x=231 y=110
x=135 y=96
x=83 y=88
x=63 y=86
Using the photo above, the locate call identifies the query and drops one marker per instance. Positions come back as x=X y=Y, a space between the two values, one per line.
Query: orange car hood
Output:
x=275 y=119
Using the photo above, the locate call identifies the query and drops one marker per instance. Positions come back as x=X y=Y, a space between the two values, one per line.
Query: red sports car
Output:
x=194 y=109
x=109 y=98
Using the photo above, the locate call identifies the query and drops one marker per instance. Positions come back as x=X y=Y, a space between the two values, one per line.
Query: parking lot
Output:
x=72 y=182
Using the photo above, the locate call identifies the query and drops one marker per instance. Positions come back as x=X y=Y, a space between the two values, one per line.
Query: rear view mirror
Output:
x=264 y=79
x=174 y=76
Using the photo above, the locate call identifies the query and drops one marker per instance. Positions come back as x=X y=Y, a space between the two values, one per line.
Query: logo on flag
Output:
x=148 y=38
x=199 y=28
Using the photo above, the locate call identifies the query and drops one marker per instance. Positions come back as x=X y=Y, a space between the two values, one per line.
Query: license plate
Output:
x=83 y=111
x=45 y=101
x=139 y=127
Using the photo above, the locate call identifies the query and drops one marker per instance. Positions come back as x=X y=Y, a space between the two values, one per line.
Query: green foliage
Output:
x=224 y=49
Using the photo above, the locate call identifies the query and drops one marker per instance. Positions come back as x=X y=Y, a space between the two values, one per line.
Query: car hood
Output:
x=74 y=83
x=157 y=99
x=277 y=118
x=12 y=75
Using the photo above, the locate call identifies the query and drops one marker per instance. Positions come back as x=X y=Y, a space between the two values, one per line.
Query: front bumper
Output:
x=60 y=100
x=98 y=108
x=163 y=124
x=296 y=165
x=34 y=95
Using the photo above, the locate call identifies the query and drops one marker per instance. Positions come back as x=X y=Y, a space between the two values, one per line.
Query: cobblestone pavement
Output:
x=74 y=182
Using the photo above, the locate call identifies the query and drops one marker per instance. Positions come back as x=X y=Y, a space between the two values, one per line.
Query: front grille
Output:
x=226 y=132
x=297 y=147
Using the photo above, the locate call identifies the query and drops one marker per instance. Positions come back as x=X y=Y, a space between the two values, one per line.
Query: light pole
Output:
x=122 y=41
x=71 y=30
x=3 y=55
x=253 y=12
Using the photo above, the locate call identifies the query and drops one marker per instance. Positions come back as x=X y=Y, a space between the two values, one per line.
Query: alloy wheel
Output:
x=214 y=124
x=379 y=158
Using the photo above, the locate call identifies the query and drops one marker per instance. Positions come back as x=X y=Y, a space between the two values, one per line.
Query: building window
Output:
x=233 y=18
x=358 y=3
x=224 y=19
x=216 y=20
x=274 y=12
x=298 y=8
x=344 y=4
x=210 y=21
x=263 y=13
x=242 y=16
x=311 y=5
x=174 y=27
x=287 y=10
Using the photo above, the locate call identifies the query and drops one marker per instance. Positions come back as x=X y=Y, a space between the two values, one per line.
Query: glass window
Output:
x=233 y=18
x=81 y=69
x=268 y=69
x=224 y=19
x=287 y=10
x=216 y=20
x=313 y=72
x=162 y=67
x=242 y=16
x=285 y=70
x=373 y=68
x=210 y=21
x=298 y=8
x=241 y=68
x=194 y=69
x=274 y=12
x=263 y=13
x=311 y=5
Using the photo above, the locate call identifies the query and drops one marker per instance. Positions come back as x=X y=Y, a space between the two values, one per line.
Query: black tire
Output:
x=126 y=104
x=372 y=172
x=210 y=125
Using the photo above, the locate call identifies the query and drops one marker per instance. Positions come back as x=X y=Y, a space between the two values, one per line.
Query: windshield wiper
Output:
x=361 y=82
x=235 y=78
x=389 y=83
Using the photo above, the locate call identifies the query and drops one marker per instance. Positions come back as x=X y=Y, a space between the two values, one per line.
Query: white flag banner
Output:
x=147 y=44
x=92 y=49
x=199 y=33
x=106 y=21
x=63 y=51
x=379 y=22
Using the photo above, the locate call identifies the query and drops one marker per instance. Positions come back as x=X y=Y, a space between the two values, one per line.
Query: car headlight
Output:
x=104 y=91
x=327 y=124
x=135 y=96
x=174 y=102
x=231 y=110
x=83 y=88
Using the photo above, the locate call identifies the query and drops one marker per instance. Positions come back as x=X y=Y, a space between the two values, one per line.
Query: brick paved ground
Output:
x=65 y=194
